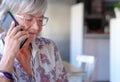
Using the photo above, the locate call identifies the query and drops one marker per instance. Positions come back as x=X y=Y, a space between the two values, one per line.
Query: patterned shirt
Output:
x=45 y=62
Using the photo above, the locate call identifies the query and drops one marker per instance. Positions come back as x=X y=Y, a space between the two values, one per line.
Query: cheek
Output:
x=39 y=31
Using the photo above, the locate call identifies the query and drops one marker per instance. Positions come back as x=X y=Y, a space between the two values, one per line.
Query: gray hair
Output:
x=23 y=6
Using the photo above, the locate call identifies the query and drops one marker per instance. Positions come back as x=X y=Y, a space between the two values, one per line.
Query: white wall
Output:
x=58 y=28
x=76 y=44
x=115 y=50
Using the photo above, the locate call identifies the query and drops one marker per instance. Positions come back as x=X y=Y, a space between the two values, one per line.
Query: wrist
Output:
x=6 y=63
x=6 y=75
x=9 y=54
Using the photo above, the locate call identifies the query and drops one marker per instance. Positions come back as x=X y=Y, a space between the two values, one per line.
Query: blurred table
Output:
x=74 y=74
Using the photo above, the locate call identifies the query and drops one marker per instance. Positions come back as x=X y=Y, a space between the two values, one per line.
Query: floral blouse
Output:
x=45 y=62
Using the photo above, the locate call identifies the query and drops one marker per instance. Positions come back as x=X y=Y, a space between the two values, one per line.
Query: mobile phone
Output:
x=6 y=22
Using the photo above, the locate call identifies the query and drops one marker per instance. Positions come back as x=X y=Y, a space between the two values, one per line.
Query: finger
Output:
x=11 y=27
x=15 y=30
x=23 y=38
x=20 y=33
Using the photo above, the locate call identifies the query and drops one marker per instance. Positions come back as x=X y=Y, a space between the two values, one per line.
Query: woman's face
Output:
x=31 y=23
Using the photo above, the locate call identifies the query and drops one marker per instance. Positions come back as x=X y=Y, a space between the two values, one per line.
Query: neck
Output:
x=24 y=52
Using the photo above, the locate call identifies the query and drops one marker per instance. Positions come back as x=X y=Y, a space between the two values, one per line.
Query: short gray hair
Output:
x=23 y=6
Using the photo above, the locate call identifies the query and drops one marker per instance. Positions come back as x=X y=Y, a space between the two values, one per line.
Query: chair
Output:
x=86 y=63
x=74 y=74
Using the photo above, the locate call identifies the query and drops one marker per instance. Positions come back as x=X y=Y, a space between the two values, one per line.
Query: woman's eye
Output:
x=40 y=20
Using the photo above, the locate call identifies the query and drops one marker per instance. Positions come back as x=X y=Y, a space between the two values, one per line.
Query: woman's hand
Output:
x=13 y=39
x=12 y=44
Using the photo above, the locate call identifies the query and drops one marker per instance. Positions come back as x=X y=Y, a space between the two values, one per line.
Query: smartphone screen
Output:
x=6 y=23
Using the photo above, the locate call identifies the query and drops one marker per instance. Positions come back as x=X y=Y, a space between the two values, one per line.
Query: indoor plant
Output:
x=117 y=9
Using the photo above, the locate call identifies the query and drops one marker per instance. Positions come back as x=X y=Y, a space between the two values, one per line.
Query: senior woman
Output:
x=38 y=60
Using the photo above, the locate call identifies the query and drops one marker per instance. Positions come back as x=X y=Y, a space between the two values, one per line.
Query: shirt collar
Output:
x=35 y=48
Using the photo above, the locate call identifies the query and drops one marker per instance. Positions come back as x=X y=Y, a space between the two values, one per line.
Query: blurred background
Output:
x=81 y=27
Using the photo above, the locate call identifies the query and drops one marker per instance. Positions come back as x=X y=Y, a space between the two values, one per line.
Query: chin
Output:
x=32 y=38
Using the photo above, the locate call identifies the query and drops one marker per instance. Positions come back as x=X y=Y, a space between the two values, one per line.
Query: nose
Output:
x=36 y=26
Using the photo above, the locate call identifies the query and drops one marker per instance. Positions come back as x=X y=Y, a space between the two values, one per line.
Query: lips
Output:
x=31 y=33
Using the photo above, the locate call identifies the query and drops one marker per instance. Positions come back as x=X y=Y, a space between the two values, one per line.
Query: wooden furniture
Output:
x=94 y=17
x=97 y=15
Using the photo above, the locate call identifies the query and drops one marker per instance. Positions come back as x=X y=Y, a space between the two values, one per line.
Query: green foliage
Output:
x=117 y=5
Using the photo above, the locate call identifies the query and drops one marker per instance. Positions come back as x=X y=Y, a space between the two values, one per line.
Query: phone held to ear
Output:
x=6 y=22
